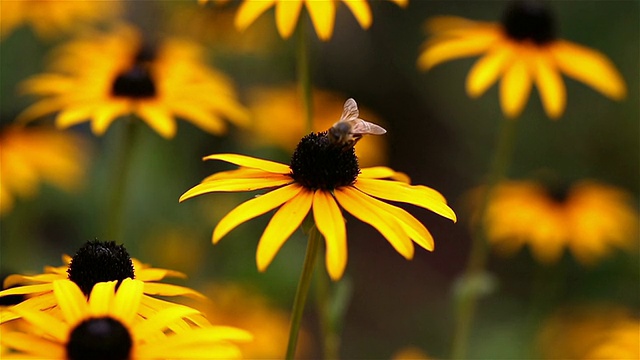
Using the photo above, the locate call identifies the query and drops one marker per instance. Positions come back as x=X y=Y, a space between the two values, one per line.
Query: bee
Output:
x=349 y=129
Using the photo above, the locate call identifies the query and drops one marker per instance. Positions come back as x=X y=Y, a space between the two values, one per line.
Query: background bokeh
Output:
x=436 y=134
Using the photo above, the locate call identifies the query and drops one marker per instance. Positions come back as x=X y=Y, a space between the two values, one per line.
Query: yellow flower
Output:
x=322 y=13
x=31 y=155
x=523 y=50
x=50 y=18
x=93 y=263
x=322 y=178
x=278 y=118
x=589 y=218
x=107 y=325
x=591 y=332
x=106 y=76
x=239 y=306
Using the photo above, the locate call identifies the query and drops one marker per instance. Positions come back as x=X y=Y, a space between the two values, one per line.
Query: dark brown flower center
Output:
x=98 y=261
x=529 y=20
x=318 y=164
x=137 y=81
x=100 y=339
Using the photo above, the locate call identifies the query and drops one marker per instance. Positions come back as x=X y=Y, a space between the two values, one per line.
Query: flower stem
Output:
x=118 y=183
x=302 y=291
x=467 y=298
x=304 y=74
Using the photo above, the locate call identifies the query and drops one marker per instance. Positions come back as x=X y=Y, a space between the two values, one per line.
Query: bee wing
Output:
x=350 y=111
x=364 y=127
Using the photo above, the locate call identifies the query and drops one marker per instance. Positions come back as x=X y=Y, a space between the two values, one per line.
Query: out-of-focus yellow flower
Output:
x=107 y=326
x=522 y=50
x=50 y=18
x=589 y=218
x=591 y=332
x=278 y=118
x=244 y=308
x=31 y=155
x=410 y=353
x=97 y=262
x=108 y=75
x=322 y=13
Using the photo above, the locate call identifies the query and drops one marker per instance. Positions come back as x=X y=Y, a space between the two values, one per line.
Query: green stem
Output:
x=304 y=74
x=467 y=299
x=302 y=291
x=118 y=185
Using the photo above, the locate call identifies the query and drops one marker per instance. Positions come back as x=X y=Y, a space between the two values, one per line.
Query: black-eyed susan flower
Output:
x=322 y=178
x=30 y=156
x=278 y=119
x=106 y=326
x=590 y=332
x=521 y=50
x=322 y=13
x=96 y=262
x=589 y=218
x=51 y=18
x=109 y=75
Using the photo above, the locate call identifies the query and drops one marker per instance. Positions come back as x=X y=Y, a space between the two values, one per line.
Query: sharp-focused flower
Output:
x=278 y=118
x=591 y=332
x=322 y=178
x=242 y=307
x=322 y=13
x=107 y=327
x=93 y=263
x=109 y=75
x=522 y=50
x=589 y=218
x=32 y=155
x=51 y=18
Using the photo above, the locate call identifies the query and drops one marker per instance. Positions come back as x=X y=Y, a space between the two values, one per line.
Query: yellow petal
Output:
x=422 y=196
x=36 y=303
x=105 y=114
x=360 y=206
x=101 y=298
x=330 y=223
x=71 y=300
x=27 y=289
x=249 y=11
x=515 y=88
x=241 y=173
x=446 y=23
x=50 y=325
x=254 y=207
x=589 y=66
x=33 y=345
x=401 y=3
x=162 y=289
x=158 y=118
x=361 y=11
x=439 y=51
x=153 y=274
x=284 y=222
x=127 y=300
x=486 y=71
x=74 y=115
x=550 y=85
x=287 y=13
x=39 y=109
x=251 y=162
x=411 y=226
x=234 y=185
x=162 y=318
x=323 y=15
x=200 y=117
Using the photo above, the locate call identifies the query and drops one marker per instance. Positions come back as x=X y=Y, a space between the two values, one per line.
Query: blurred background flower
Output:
x=30 y=156
x=108 y=75
x=53 y=18
x=588 y=218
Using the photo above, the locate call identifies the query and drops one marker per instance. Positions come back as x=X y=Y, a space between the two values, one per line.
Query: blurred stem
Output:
x=313 y=246
x=118 y=183
x=304 y=74
x=467 y=298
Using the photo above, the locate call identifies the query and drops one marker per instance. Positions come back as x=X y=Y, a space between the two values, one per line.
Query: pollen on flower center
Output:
x=101 y=339
x=319 y=164
x=98 y=261
x=529 y=20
